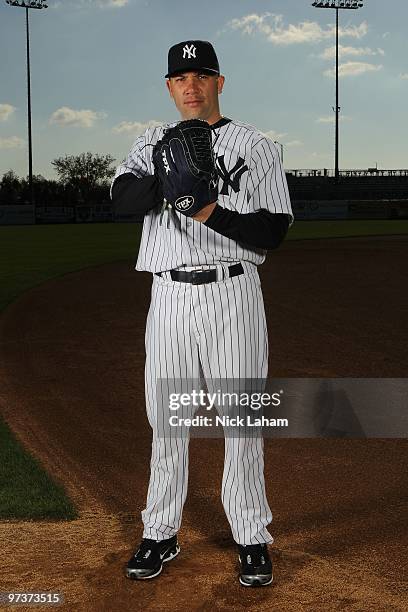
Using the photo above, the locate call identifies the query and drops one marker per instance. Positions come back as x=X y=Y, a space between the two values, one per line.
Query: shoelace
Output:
x=255 y=556
x=145 y=549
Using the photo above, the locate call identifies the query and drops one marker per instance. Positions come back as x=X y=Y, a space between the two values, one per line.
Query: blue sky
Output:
x=98 y=76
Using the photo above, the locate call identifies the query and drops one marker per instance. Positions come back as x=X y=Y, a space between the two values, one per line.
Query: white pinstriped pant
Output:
x=219 y=327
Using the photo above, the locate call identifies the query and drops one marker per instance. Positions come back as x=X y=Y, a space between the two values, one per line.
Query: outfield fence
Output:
x=304 y=210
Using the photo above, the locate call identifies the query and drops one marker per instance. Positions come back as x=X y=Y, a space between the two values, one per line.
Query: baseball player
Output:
x=206 y=313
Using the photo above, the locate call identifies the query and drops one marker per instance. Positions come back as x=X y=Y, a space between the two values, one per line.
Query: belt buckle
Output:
x=195 y=276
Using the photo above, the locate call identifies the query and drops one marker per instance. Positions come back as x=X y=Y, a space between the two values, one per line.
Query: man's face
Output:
x=196 y=95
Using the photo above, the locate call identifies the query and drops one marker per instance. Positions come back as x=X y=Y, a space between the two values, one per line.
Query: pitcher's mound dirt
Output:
x=72 y=388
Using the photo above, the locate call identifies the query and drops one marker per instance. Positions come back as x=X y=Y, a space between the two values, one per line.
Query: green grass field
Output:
x=342 y=229
x=30 y=255
x=26 y=490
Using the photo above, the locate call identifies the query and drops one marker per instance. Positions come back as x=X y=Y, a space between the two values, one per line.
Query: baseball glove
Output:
x=184 y=163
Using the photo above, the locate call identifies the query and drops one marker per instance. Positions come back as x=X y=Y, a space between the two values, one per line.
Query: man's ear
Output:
x=168 y=84
x=220 y=83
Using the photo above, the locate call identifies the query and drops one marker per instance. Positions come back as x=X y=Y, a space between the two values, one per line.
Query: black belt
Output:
x=199 y=277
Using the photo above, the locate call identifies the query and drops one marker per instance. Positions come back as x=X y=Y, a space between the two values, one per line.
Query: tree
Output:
x=47 y=192
x=10 y=179
x=10 y=187
x=84 y=171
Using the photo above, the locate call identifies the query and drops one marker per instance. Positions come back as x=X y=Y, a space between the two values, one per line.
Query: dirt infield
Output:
x=72 y=389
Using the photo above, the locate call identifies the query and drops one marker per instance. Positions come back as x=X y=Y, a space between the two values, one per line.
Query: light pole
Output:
x=337 y=4
x=34 y=4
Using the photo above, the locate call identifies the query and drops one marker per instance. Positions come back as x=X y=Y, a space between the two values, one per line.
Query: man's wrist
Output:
x=205 y=212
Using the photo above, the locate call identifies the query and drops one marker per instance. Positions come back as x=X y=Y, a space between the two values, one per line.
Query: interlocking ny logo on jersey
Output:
x=165 y=162
x=226 y=175
x=189 y=51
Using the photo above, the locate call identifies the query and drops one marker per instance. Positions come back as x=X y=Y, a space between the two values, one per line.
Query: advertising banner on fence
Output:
x=314 y=209
x=368 y=210
x=17 y=214
x=98 y=213
x=54 y=214
x=350 y=209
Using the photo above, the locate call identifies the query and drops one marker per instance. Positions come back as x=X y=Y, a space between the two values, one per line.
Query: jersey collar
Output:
x=220 y=123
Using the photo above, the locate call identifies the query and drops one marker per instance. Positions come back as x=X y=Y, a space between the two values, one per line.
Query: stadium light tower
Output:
x=33 y=4
x=337 y=5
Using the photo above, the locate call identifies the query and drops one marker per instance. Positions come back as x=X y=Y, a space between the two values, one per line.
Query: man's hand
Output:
x=205 y=212
x=185 y=165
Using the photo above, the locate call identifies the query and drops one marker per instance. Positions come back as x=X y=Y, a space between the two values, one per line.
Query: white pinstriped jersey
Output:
x=251 y=177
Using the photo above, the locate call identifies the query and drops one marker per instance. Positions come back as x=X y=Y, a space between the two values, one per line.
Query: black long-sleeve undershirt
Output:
x=262 y=229
x=136 y=196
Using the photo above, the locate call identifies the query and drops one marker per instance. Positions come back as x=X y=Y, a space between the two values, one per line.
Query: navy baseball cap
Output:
x=192 y=55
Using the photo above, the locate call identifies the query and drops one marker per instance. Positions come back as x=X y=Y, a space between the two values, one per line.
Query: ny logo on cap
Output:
x=189 y=51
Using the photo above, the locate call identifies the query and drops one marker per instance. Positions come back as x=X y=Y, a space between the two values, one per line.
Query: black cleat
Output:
x=147 y=562
x=255 y=565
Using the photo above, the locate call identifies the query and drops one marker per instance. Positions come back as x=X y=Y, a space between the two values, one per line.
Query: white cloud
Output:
x=112 y=3
x=352 y=31
x=353 y=69
x=13 y=142
x=293 y=143
x=135 y=128
x=404 y=75
x=315 y=155
x=66 y=116
x=330 y=52
x=331 y=118
x=273 y=135
x=6 y=110
x=280 y=138
x=272 y=27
